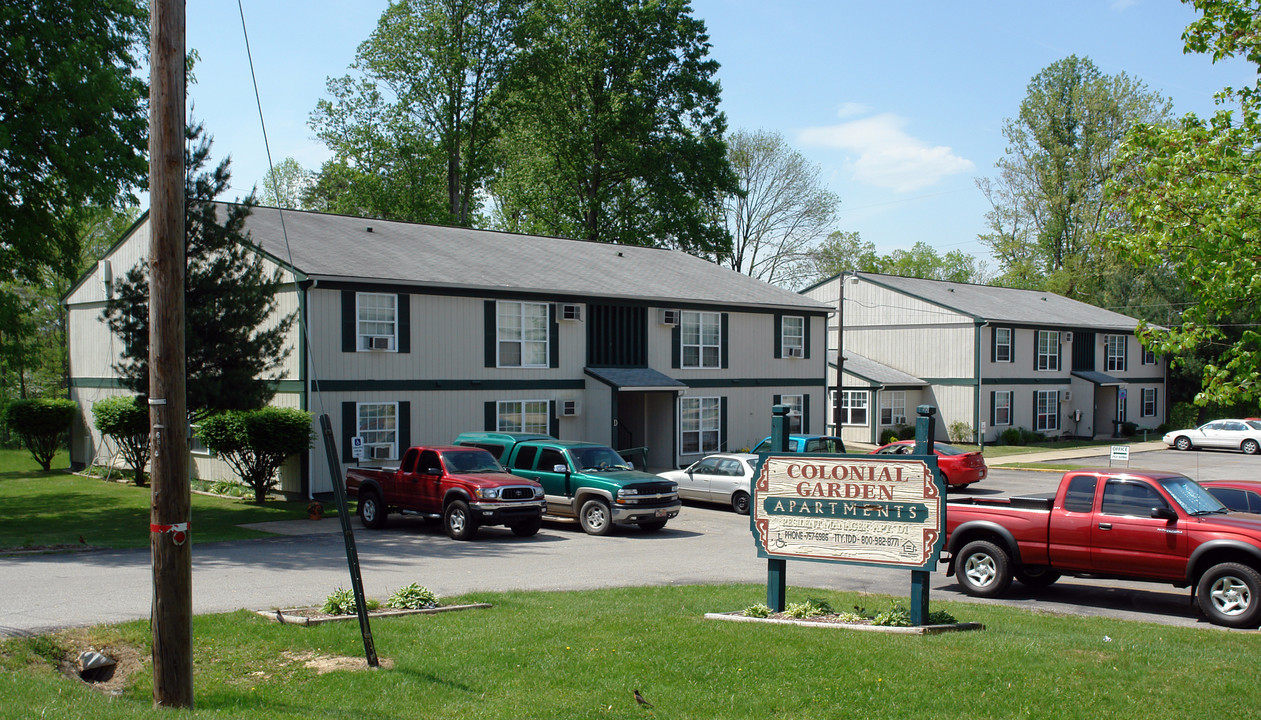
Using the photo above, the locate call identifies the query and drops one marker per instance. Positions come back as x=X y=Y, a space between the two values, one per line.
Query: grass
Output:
x=41 y=509
x=580 y=654
x=1007 y=450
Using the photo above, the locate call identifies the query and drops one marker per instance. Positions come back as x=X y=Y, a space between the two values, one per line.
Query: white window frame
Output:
x=523 y=333
x=794 y=403
x=195 y=445
x=1150 y=397
x=700 y=425
x=1047 y=411
x=792 y=337
x=384 y=324
x=1001 y=345
x=1114 y=352
x=1048 y=350
x=854 y=402
x=693 y=328
x=894 y=401
x=1003 y=399
x=523 y=416
x=385 y=435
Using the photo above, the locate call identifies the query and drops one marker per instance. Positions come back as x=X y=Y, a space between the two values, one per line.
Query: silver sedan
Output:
x=1242 y=435
x=723 y=478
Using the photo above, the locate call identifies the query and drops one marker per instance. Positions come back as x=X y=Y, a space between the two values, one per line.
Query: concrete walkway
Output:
x=1050 y=456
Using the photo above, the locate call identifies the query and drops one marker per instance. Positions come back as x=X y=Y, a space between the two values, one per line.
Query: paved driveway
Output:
x=706 y=544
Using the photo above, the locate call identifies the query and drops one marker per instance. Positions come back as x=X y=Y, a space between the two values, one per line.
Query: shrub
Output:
x=1128 y=429
x=760 y=610
x=342 y=602
x=960 y=431
x=1028 y=437
x=1183 y=416
x=42 y=424
x=126 y=419
x=895 y=616
x=906 y=432
x=1012 y=436
x=412 y=597
x=888 y=435
x=257 y=442
x=808 y=609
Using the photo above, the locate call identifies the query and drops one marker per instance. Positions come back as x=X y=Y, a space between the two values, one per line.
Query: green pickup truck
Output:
x=583 y=480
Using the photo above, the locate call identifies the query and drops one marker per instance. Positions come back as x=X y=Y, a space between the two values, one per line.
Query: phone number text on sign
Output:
x=886 y=512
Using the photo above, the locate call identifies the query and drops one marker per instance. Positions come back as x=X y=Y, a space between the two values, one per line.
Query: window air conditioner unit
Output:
x=1068 y=337
x=379 y=342
x=793 y=352
x=669 y=317
x=568 y=408
x=571 y=312
x=380 y=452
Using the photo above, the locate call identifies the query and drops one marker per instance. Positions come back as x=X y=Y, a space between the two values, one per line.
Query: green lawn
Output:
x=55 y=508
x=580 y=654
x=1007 y=450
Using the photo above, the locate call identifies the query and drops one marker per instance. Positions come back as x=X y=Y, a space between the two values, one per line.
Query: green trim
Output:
x=1067 y=379
x=967 y=382
x=442 y=385
x=976 y=395
x=287 y=387
x=752 y=382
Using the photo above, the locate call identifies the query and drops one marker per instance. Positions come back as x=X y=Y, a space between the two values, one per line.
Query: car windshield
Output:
x=598 y=458
x=471 y=461
x=1193 y=498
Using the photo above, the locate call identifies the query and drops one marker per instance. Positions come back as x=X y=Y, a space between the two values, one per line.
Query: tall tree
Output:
x=232 y=360
x=781 y=210
x=286 y=185
x=1048 y=209
x=847 y=252
x=615 y=130
x=421 y=119
x=1190 y=203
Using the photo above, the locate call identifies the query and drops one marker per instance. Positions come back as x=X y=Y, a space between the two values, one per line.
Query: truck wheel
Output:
x=1036 y=577
x=459 y=523
x=740 y=502
x=1230 y=594
x=595 y=517
x=652 y=525
x=1182 y=442
x=371 y=512
x=983 y=569
x=1250 y=447
x=529 y=528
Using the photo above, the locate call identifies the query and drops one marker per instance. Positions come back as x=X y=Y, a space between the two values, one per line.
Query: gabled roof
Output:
x=878 y=373
x=1007 y=305
x=343 y=248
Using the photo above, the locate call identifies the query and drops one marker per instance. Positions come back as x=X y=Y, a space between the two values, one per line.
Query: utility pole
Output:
x=169 y=537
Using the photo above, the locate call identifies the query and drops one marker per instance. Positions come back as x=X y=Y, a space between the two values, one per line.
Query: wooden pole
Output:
x=170 y=540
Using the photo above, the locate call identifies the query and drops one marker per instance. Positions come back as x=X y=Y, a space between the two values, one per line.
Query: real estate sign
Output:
x=856 y=509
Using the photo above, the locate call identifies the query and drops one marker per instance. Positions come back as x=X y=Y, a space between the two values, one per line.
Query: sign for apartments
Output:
x=838 y=508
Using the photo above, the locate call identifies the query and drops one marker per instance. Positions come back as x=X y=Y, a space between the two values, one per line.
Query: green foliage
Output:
x=286 y=185
x=340 y=602
x=906 y=432
x=940 y=617
x=960 y=431
x=847 y=252
x=234 y=345
x=412 y=597
x=811 y=607
x=126 y=419
x=257 y=442
x=613 y=128
x=1183 y=416
x=42 y=424
x=895 y=616
x=888 y=435
x=1013 y=436
x=759 y=610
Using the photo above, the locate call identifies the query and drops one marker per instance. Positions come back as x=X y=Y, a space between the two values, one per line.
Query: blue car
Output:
x=807 y=444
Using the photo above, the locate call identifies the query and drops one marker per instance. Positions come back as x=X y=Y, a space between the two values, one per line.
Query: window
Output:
x=1149 y=357
x=521 y=330
x=522 y=416
x=794 y=404
x=1002 y=407
x=1130 y=498
x=1115 y=350
x=1002 y=345
x=793 y=336
x=701 y=336
x=1047 y=415
x=1048 y=350
x=377 y=325
x=1080 y=495
x=377 y=426
x=700 y=422
x=195 y=445
x=893 y=407
x=853 y=407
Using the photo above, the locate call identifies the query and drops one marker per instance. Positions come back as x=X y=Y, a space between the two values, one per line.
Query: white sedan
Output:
x=725 y=478
x=1242 y=435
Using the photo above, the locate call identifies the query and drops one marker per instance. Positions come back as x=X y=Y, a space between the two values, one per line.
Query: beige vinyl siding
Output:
x=925 y=351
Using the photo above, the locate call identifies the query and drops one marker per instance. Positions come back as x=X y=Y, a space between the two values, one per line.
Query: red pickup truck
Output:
x=1134 y=525
x=466 y=487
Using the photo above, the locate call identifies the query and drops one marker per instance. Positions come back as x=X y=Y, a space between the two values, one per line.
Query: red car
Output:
x=961 y=467
x=1237 y=495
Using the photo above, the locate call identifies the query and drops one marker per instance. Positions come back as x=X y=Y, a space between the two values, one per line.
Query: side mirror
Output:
x=560 y=468
x=1164 y=513
x=630 y=464
x=433 y=471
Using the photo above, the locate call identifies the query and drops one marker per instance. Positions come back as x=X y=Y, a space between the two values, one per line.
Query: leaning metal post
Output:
x=925 y=434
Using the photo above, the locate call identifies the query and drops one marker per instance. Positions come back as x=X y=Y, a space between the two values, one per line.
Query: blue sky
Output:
x=901 y=104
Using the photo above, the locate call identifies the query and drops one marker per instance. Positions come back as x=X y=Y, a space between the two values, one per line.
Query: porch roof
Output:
x=1098 y=378
x=637 y=379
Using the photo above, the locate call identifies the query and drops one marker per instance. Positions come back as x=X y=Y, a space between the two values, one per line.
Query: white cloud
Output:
x=882 y=154
x=851 y=109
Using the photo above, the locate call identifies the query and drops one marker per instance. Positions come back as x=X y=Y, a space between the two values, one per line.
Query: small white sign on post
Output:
x=356 y=447
x=1120 y=453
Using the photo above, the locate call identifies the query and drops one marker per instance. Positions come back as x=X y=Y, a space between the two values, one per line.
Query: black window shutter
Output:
x=805 y=325
x=349 y=321
x=723 y=340
x=779 y=336
x=1036 y=333
x=993 y=408
x=491 y=421
x=805 y=412
x=404 y=323
x=350 y=423
x=676 y=347
x=722 y=421
x=553 y=422
x=1034 y=426
x=553 y=337
x=490 y=333
x=777 y=399
x=1059 y=352
x=993 y=344
x=404 y=426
